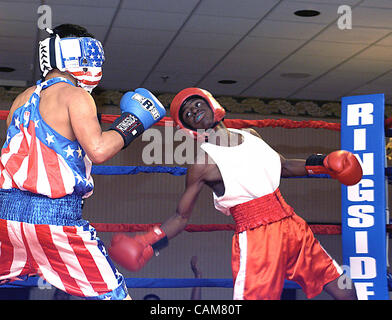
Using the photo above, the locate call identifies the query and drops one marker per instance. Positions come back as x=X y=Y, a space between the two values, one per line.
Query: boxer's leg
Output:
x=74 y=260
x=259 y=262
x=311 y=266
x=337 y=292
x=13 y=254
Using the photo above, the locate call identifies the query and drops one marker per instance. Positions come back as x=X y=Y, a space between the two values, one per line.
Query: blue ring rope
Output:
x=176 y=171
x=180 y=171
x=165 y=283
x=151 y=283
x=122 y=170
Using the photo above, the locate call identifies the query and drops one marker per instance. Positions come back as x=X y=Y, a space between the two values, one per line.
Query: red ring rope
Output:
x=124 y=227
x=240 y=123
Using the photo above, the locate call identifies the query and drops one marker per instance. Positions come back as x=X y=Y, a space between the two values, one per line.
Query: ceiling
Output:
x=167 y=45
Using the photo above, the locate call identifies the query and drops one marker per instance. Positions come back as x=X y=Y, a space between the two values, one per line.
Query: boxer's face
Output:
x=197 y=114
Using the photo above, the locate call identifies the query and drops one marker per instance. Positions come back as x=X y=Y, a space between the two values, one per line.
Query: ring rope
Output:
x=35 y=281
x=317 y=228
x=122 y=170
x=176 y=171
x=241 y=123
x=179 y=171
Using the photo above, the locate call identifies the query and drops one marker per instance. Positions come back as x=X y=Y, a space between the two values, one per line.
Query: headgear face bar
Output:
x=81 y=57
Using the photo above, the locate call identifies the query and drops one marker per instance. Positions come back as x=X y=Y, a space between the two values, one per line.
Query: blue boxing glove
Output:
x=140 y=110
x=143 y=105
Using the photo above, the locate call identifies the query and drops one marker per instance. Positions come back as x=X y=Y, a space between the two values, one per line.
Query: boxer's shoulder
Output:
x=203 y=161
x=71 y=96
x=24 y=96
x=19 y=101
x=68 y=91
x=253 y=132
x=204 y=169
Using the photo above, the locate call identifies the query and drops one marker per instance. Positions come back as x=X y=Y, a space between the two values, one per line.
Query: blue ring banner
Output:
x=364 y=212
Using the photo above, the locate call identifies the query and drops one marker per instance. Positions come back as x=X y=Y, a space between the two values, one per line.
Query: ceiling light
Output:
x=227 y=81
x=295 y=75
x=307 y=13
x=6 y=69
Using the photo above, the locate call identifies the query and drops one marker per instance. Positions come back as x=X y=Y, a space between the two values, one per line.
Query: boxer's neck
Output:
x=56 y=73
x=222 y=136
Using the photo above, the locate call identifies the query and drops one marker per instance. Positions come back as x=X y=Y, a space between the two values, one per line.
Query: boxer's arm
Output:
x=134 y=253
x=99 y=145
x=292 y=167
x=194 y=184
x=341 y=165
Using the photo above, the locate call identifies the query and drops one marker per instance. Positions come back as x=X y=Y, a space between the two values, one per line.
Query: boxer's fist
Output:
x=134 y=253
x=143 y=105
x=129 y=253
x=341 y=165
x=140 y=110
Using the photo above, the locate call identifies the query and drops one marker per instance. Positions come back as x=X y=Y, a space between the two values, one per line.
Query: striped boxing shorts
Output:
x=48 y=237
x=271 y=244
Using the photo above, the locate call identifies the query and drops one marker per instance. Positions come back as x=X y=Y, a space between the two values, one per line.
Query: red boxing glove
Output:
x=133 y=253
x=340 y=165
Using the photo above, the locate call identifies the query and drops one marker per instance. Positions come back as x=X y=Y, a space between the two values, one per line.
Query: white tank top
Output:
x=249 y=170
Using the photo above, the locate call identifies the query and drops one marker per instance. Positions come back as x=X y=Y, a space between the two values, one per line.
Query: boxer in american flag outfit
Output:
x=53 y=137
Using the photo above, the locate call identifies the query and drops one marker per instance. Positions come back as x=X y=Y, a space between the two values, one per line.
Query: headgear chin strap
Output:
x=81 y=57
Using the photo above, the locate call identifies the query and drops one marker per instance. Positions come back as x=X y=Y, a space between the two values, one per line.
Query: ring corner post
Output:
x=364 y=210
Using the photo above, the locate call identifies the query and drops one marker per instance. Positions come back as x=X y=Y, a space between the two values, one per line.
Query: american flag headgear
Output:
x=82 y=57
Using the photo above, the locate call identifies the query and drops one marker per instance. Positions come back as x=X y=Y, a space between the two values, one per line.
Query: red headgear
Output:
x=180 y=99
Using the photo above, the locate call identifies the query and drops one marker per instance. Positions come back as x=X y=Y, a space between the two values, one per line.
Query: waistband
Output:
x=24 y=206
x=260 y=211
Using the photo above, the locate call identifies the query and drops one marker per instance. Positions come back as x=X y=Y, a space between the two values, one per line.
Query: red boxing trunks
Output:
x=272 y=244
